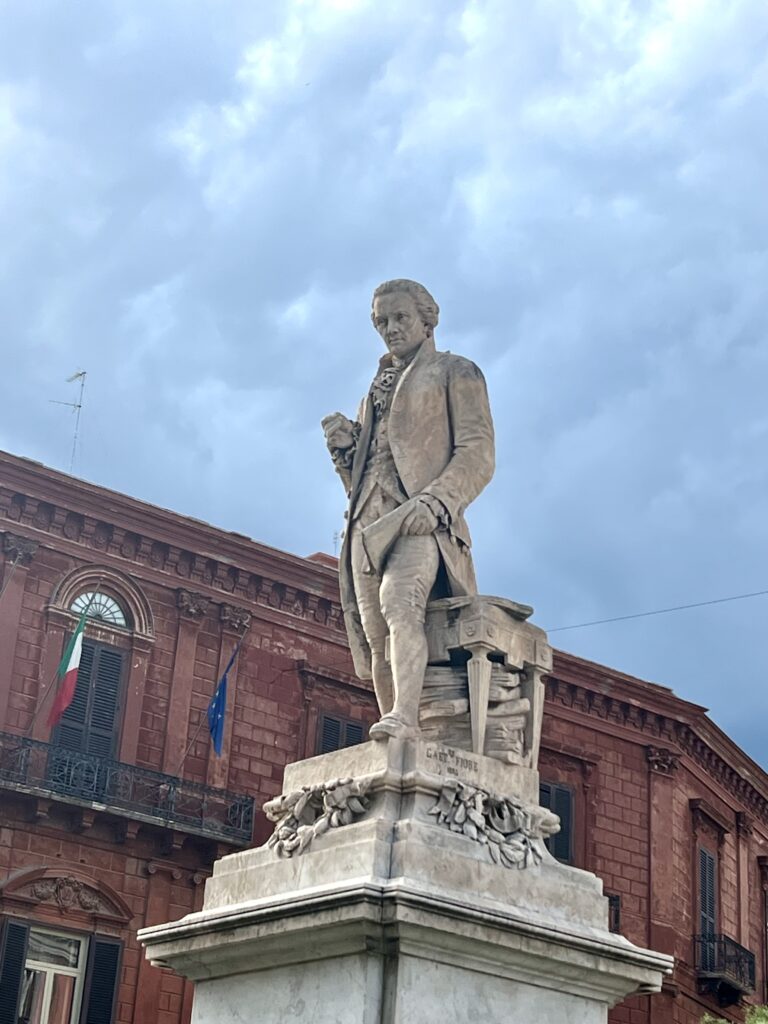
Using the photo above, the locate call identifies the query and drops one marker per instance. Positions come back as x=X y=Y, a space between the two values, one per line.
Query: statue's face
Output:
x=396 y=318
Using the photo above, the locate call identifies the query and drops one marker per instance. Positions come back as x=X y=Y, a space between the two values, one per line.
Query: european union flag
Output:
x=217 y=709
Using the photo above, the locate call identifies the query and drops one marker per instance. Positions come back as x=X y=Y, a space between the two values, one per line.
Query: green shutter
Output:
x=101 y=978
x=707 y=892
x=13 y=954
x=105 y=695
x=330 y=734
x=353 y=734
x=89 y=724
x=560 y=800
x=335 y=733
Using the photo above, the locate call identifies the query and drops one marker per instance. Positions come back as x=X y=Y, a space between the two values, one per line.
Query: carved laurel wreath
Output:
x=306 y=813
x=513 y=833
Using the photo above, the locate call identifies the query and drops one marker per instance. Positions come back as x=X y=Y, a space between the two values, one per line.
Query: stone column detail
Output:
x=18 y=552
x=662 y=765
x=744 y=831
x=192 y=610
x=135 y=683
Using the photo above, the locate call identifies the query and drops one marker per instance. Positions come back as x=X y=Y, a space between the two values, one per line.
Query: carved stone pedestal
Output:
x=405 y=881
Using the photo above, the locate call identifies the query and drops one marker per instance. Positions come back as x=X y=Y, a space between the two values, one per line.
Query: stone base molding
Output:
x=396 y=913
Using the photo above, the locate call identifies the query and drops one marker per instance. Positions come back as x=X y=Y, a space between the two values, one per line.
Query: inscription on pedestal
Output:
x=450 y=762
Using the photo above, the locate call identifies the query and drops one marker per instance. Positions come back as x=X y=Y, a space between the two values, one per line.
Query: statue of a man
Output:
x=421 y=450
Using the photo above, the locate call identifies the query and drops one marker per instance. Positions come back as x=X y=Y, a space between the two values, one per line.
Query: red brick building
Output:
x=111 y=821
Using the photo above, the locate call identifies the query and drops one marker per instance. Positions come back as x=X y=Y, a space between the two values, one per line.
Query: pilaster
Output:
x=18 y=554
x=192 y=610
x=662 y=765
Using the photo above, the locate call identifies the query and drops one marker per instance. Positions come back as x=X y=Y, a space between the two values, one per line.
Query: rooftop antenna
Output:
x=336 y=538
x=76 y=408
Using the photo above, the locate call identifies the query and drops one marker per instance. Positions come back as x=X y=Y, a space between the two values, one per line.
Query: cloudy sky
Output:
x=197 y=198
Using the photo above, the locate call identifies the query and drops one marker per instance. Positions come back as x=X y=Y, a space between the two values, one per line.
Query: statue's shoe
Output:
x=391 y=725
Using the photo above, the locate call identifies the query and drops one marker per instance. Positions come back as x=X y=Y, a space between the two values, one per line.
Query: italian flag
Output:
x=67 y=673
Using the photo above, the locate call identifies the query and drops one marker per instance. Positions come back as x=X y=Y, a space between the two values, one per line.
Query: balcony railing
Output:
x=723 y=962
x=43 y=769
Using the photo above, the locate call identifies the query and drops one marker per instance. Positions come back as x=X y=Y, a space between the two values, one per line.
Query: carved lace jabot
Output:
x=384 y=384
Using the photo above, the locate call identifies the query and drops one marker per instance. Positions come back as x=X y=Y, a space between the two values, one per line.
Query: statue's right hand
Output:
x=339 y=430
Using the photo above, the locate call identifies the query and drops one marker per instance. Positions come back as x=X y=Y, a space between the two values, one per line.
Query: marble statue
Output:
x=420 y=451
x=410 y=879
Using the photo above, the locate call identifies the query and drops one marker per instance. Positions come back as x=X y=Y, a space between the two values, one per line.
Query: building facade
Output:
x=111 y=820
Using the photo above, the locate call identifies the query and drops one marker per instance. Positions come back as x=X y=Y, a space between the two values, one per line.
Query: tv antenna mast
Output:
x=76 y=408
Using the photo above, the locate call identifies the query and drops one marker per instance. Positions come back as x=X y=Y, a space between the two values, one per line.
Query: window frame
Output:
x=50 y=970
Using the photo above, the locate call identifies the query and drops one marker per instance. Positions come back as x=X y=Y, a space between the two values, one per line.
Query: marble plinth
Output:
x=404 y=914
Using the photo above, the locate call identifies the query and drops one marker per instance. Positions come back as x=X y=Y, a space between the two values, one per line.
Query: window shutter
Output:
x=70 y=732
x=335 y=733
x=104 y=701
x=101 y=980
x=614 y=912
x=14 y=954
x=89 y=723
x=707 y=893
x=353 y=734
x=330 y=734
x=559 y=799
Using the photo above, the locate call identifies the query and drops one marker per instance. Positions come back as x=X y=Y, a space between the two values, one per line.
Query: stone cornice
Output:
x=49 y=493
x=93 y=524
x=682 y=732
x=610 y=682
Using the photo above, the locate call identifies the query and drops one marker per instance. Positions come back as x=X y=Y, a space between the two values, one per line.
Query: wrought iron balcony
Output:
x=44 y=770
x=724 y=967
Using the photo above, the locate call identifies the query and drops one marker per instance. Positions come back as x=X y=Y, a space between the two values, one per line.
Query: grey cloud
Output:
x=197 y=203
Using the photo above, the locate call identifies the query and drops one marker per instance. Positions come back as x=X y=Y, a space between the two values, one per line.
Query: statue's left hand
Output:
x=420 y=521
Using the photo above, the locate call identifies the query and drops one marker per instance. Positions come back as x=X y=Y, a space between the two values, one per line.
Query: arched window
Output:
x=118 y=625
x=100 y=606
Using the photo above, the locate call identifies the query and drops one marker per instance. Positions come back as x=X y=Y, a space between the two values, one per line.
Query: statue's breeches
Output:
x=400 y=596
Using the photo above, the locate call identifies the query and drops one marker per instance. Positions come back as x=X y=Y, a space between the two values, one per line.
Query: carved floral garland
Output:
x=306 y=813
x=513 y=832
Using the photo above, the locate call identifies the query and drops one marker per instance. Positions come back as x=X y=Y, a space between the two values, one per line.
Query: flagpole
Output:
x=204 y=714
x=6 y=581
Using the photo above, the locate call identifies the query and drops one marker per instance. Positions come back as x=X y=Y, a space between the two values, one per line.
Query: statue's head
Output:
x=405 y=315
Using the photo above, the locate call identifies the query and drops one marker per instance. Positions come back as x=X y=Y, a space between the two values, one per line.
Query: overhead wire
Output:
x=660 y=611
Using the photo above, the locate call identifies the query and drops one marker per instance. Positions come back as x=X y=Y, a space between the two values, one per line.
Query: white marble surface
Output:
x=352 y=993
x=397 y=918
x=309 y=992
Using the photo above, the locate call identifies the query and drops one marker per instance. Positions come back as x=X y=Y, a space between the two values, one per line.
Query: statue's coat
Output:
x=441 y=436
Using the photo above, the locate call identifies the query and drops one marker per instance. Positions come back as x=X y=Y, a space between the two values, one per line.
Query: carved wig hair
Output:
x=429 y=311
